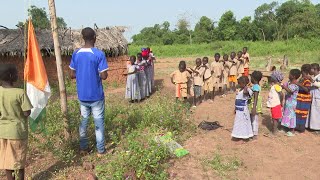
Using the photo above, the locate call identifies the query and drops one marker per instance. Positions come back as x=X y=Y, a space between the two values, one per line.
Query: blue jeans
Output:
x=97 y=110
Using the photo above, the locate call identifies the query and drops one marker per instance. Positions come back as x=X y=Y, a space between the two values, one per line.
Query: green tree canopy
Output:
x=40 y=19
x=204 y=31
x=227 y=26
x=272 y=21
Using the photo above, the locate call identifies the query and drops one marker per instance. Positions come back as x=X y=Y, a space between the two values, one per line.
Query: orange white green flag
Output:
x=35 y=75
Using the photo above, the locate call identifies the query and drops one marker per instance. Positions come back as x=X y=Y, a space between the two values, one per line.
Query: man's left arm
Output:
x=103 y=67
x=72 y=67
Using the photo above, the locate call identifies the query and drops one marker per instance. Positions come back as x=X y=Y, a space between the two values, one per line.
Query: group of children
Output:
x=210 y=78
x=296 y=112
x=140 y=76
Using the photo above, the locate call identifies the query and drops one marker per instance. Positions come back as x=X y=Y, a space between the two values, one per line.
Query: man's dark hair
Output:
x=206 y=58
x=88 y=34
x=296 y=73
x=8 y=73
x=217 y=54
x=256 y=75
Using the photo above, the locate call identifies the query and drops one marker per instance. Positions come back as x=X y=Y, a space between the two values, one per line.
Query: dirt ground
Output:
x=270 y=157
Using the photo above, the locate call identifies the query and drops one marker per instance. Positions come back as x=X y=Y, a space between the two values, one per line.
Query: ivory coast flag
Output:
x=38 y=89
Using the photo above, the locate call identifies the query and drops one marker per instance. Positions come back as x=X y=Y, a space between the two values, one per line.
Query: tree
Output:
x=61 y=23
x=204 y=30
x=184 y=35
x=306 y=24
x=227 y=26
x=166 y=26
x=266 y=20
x=247 y=30
x=40 y=19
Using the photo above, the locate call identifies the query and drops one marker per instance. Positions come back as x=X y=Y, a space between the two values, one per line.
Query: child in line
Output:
x=292 y=89
x=180 y=78
x=232 y=64
x=15 y=108
x=256 y=103
x=132 y=87
x=197 y=75
x=275 y=100
x=142 y=76
x=240 y=64
x=303 y=98
x=226 y=72
x=217 y=74
x=242 y=128
x=314 y=114
x=246 y=58
x=207 y=80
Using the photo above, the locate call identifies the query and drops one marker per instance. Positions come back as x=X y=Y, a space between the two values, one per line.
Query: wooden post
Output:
x=62 y=88
x=25 y=46
x=285 y=61
x=269 y=64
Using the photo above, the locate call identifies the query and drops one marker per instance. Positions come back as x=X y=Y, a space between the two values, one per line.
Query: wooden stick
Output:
x=63 y=93
x=25 y=50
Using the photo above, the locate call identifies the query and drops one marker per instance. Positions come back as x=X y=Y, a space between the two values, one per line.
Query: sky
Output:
x=135 y=14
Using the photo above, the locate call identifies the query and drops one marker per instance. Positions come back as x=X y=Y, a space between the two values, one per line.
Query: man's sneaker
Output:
x=102 y=154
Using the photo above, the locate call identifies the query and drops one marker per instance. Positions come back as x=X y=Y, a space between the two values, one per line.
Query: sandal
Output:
x=290 y=134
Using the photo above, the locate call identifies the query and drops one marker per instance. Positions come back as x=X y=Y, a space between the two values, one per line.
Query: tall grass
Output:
x=298 y=50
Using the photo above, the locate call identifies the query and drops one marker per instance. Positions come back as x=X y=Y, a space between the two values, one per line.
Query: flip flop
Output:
x=290 y=134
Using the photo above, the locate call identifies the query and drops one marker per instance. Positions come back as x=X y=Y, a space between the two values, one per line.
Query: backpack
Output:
x=205 y=125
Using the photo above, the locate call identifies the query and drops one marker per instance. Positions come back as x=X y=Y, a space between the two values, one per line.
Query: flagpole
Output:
x=25 y=50
x=63 y=94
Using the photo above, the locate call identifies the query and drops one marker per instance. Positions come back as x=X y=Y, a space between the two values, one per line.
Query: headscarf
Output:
x=277 y=76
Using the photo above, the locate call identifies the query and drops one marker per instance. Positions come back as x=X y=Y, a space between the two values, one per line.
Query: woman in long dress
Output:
x=142 y=76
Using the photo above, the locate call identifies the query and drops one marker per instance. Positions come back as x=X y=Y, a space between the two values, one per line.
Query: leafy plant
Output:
x=222 y=165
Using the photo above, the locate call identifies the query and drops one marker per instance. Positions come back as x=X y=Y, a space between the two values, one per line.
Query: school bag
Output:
x=205 y=125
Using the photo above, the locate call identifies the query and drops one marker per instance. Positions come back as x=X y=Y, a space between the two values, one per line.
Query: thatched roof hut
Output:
x=110 y=40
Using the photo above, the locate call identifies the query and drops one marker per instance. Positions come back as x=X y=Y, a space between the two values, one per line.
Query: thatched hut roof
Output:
x=110 y=40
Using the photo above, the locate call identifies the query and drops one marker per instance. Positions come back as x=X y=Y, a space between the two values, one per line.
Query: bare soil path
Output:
x=269 y=157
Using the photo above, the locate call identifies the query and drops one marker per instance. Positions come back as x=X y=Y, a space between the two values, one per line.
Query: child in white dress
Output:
x=242 y=128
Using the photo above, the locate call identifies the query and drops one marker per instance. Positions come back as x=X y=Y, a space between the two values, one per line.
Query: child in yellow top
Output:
x=15 y=108
x=226 y=71
x=232 y=64
x=207 y=80
x=180 y=78
x=217 y=74
x=198 y=72
x=246 y=57
x=240 y=64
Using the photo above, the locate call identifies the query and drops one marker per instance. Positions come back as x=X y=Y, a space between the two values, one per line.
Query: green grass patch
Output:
x=223 y=165
x=130 y=131
x=299 y=51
